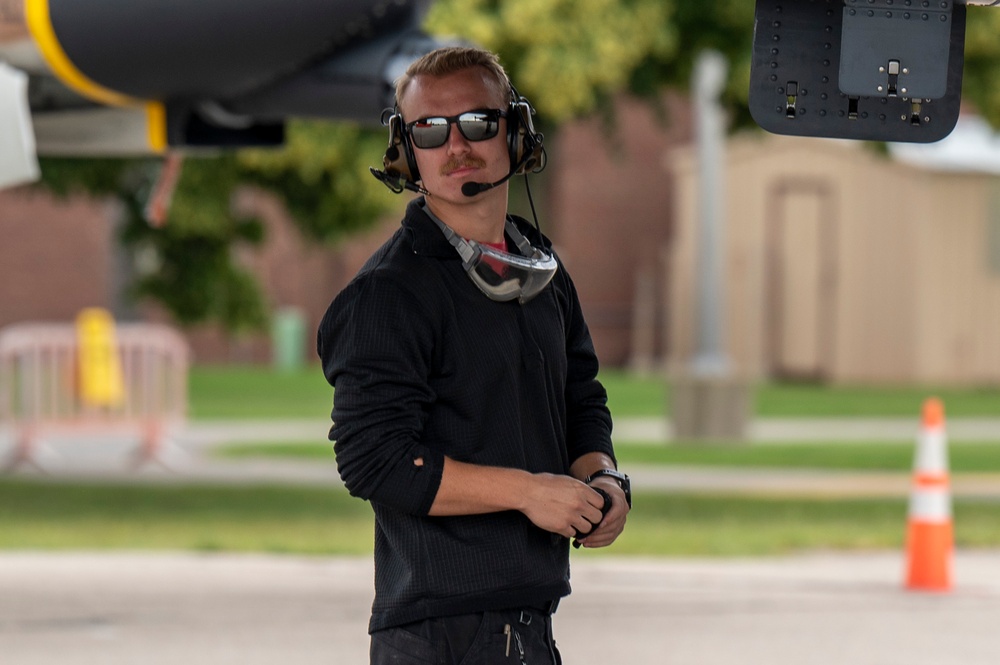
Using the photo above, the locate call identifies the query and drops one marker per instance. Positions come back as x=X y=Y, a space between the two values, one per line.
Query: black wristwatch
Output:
x=622 y=479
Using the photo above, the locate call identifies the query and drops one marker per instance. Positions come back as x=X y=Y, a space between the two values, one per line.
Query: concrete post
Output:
x=709 y=402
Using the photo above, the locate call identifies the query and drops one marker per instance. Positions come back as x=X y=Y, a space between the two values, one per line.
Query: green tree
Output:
x=187 y=264
x=981 y=84
x=571 y=56
x=566 y=55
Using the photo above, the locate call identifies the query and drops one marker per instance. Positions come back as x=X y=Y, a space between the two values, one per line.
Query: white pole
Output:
x=710 y=129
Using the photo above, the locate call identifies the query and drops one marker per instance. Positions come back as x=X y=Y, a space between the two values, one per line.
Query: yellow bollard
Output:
x=100 y=372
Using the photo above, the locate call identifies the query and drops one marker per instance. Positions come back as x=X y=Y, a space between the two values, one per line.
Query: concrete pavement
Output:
x=189 y=457
x=201 y=609
x=210 y=609
x=641 y=430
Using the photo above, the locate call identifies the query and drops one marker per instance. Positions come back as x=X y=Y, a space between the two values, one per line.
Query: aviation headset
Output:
x=524 y=146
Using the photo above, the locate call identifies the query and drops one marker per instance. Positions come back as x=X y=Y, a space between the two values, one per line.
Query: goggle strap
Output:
x=522 y=243
x=466 y=252
x=469 y=251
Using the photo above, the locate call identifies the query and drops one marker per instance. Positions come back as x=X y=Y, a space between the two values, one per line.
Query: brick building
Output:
x=605 y=199
x=56 y=257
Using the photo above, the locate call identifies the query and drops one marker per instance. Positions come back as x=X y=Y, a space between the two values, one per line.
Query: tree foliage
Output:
x=322 y=175
x=570 y=57
x=566 y=55
x=981 y=84
x=187 y=264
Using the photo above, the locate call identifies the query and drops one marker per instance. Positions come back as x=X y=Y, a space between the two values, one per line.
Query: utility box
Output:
x=288 y=339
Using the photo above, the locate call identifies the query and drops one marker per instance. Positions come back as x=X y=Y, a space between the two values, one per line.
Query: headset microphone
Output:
x=396 y=182
x=473 y=188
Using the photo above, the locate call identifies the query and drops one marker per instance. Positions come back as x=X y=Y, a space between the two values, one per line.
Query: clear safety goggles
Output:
x=500 y=275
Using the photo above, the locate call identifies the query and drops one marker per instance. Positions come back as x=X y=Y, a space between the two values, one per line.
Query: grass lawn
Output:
x=326 y=521
x=39 y=515
x=245 y=391
x=50 y=516
x=631 y=395
x=963 y=457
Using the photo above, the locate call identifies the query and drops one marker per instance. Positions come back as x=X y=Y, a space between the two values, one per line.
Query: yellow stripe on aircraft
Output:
x=156 y=117
x=39 y=21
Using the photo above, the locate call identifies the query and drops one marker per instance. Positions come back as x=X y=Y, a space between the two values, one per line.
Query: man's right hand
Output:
x=561 y=504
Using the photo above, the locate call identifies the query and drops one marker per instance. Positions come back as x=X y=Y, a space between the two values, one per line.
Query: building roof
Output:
x=973 y=147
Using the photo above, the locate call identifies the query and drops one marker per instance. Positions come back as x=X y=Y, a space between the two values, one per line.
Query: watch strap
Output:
x=621 y=478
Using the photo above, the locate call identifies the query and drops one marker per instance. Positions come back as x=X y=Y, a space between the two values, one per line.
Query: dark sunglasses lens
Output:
x=474 y=125
x=430 y=132
x=478 y=126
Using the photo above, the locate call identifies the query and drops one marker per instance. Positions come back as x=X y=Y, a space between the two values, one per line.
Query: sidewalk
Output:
x=191 y=459
x=640 y=430
x=801 y=430
x=202 y=433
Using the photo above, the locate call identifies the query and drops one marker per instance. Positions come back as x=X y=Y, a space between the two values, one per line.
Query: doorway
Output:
x=800 y=280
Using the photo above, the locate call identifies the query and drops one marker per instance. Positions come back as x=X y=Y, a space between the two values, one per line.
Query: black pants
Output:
x=484 y=638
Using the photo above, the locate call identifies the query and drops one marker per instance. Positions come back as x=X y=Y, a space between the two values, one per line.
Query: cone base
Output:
x=929 y=553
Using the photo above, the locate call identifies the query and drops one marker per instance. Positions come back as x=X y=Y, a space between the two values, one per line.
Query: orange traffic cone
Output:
x=930 y=539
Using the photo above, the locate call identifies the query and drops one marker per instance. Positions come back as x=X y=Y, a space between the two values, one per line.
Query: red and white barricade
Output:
x=40 y=388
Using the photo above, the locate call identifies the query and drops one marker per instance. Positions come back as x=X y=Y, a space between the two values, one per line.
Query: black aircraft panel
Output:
x=839 y=69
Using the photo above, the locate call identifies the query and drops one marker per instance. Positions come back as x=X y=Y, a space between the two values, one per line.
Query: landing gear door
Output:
x=878 y=70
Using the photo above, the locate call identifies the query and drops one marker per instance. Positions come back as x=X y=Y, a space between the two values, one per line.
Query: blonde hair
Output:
x=451 y=59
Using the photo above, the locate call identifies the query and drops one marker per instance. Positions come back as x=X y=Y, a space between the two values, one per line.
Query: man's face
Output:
x=444 y=169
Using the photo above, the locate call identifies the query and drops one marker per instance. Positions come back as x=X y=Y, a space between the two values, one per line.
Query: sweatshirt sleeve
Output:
x=375 y=343
x=588 y=419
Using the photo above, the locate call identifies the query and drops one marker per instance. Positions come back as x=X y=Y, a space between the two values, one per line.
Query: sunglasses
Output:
x=478 y=125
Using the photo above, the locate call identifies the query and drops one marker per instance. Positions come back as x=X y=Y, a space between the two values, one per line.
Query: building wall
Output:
x=58 y=257
x=55 y=256
x=958 y=311
x=295 y=274
x=612 y=207
x=844 y=266
x=604 y=199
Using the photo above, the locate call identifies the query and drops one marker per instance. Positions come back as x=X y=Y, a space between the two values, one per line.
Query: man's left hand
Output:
x=614 y=522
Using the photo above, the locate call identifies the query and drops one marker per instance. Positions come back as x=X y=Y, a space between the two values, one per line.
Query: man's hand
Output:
x=562 y=504
x=614 y=522
x=557 y=503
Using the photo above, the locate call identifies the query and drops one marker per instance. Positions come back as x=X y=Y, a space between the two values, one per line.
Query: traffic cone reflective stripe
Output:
x=930 y=538
x=931 y=480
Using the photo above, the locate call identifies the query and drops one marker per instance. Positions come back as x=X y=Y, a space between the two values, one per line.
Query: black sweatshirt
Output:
x=424 y=365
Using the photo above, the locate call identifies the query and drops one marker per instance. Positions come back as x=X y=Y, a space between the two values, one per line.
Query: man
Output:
x=466 y=404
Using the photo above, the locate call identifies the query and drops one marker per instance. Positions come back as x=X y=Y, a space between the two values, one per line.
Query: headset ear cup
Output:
x=398 y=156
x=525 y=145
x=515 y=144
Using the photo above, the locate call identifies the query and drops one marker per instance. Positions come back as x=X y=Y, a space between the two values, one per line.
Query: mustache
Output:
x=468 y=162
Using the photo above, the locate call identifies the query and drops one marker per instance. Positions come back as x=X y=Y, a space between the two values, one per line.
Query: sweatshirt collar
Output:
x=428 y=240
